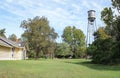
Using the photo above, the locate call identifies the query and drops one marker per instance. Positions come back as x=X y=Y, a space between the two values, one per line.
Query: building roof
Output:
x=4 y=44
x=8 y=43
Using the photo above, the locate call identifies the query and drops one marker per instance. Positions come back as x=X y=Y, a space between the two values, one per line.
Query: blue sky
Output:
x=60 y=13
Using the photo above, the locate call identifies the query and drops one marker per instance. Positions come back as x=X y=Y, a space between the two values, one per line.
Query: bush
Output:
x=105 y=51
x=31 y=54
x=116 y=52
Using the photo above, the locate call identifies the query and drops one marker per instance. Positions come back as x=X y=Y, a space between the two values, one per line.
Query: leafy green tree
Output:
x=12 y=37
x=101 y=34
x=49 y=50
x=116 y=4
x=75 y=38
x=106 y=47
x=108 y=18
x=116 y=22
x=2 y=33
x=100 y=49
x=63 y=51
x=38 y=33
x=116 y=29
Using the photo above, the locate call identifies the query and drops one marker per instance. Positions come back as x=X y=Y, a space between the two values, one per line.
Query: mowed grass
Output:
x=70 y=68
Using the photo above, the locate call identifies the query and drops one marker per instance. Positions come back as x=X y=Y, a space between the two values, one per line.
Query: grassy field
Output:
x=72 y=68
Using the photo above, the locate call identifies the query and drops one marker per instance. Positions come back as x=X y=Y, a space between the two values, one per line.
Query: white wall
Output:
x=5 y=53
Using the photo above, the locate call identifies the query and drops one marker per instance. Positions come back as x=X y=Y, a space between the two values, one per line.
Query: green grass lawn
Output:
x=71 y=68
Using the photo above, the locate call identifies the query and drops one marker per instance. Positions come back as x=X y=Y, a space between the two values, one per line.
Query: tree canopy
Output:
x=116 y=4
x=63 y=51
x=2 y=33
x=38 y=33
x=12 y=37
x=75 y=38
x=106 y=47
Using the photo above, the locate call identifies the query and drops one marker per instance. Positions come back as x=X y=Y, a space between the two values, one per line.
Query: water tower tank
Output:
x=91 y=15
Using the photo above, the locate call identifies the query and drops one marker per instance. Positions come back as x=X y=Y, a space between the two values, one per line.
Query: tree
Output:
x=2 y=33
x=101 y=34
x=63 y=51
x=38 y=33
x=116 y=4
x=75 y=39
x=108 y=18
x=116 y=28
x=106 y=47
x=12 y=37
x=116 y=22
x=49 y=50
x=100 y=49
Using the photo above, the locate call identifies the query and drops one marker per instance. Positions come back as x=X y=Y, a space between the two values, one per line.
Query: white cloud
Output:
x=60 y=13
x=9 y=1
x=60 y=1
x=76 y=7
x=96 y=6
x=86 y=4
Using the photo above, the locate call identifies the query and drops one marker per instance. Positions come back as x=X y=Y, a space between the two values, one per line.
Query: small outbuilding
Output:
x=10 y=50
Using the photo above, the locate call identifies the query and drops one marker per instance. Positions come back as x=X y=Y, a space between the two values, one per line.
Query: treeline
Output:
x=106 y=47
x=41 y=39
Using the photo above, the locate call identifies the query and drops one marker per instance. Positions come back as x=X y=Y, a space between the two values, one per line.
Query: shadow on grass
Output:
x=90 y=65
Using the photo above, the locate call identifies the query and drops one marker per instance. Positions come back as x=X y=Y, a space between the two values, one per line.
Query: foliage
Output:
x=2 y=33
x=116 y=29
x=106 y=47
x=107 y=16
x=116 y=4
x=105 y=51
x=101 y=34
x=75 y=38
x=102 y=51
x=31 y=54
x=49 y=50
x=101 y=47
x=63 y=51
x=116 y=52
x=38 y=34
x=12 y=37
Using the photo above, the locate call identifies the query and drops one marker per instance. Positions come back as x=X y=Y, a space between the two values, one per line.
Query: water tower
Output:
x=91 y=28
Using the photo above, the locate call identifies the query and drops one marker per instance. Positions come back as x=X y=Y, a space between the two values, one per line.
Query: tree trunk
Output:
x=37 y=53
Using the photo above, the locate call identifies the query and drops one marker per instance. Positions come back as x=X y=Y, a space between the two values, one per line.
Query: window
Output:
x=13 y=49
